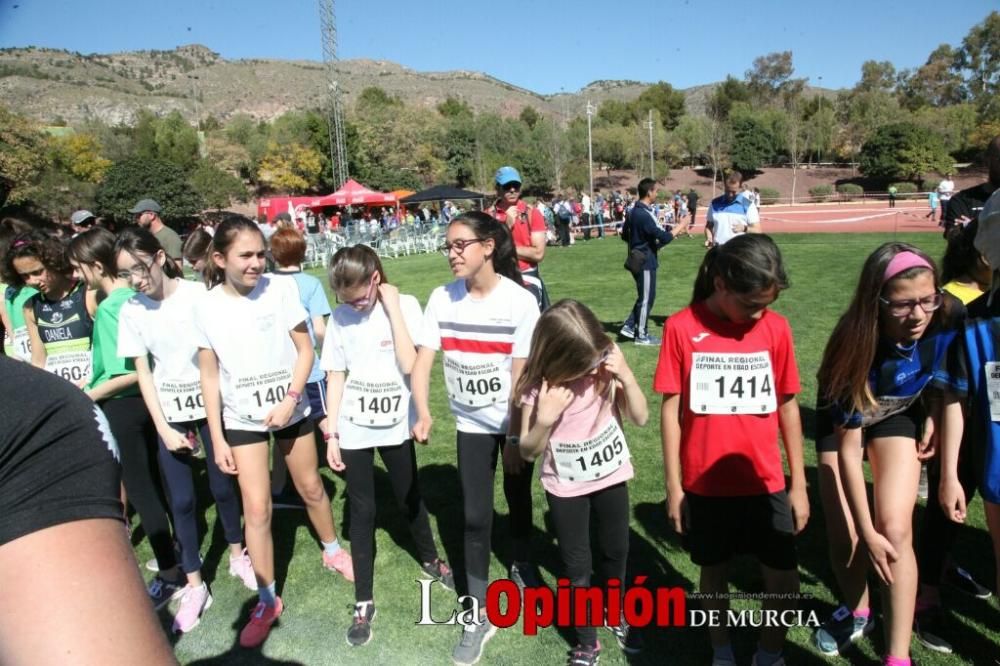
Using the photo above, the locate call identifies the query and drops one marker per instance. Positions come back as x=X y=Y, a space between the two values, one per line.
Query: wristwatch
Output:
x=513 y=441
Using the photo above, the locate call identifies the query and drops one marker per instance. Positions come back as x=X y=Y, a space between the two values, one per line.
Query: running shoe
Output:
x=841 y=630
x=360 y=632
x=930 y=629
x=470 y=646
x=194 y=602
x=340 y=562
x=153 y=565
x=585 y=655
x=162 y=592
x=263 y=616
x=963 y=581
x=628 y=637
x=647 y=340
x=440 y=571
x=627 y=332
x=242 y=568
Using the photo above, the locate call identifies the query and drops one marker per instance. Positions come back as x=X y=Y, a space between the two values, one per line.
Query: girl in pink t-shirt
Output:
x=575 y=388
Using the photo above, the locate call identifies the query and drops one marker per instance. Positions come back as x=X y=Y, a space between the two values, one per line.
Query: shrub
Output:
x=821 y=192
x=769 y=195
x=930 y=185
x=850 y=190
x=905 y=188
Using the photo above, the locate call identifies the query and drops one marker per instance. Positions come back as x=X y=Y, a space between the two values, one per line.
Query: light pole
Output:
x=652 y=163
x=590 y=153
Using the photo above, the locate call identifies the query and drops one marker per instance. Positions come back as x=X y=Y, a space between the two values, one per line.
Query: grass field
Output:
x=823 y=271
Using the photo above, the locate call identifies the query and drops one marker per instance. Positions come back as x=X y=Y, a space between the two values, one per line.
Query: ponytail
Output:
x=746 y=264
x=225 y=234
x=504 y=257
x=134 y=240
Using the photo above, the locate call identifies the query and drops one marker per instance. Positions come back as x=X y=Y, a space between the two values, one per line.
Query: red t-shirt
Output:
x=728 y=454
x=522 y=229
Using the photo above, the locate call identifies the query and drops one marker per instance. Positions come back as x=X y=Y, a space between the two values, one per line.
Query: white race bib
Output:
x=181 y=401
x=368 y=401
x=476 y=384
x=593 y=458
x=993 y=388
x=71 y=366
x=20 y=346
x=257 y=395
x=723 y=383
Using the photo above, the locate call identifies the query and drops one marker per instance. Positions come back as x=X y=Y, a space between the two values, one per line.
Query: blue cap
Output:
x=507 y=174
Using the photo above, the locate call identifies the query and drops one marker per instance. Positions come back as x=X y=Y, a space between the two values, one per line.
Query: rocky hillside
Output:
x=53 y=85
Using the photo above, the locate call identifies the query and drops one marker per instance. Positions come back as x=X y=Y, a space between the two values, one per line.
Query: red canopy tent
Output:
x=354 y=193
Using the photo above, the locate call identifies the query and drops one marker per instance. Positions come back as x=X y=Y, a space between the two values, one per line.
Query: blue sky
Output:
x=545 y=46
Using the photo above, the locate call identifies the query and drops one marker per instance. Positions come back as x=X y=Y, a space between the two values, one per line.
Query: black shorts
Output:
x=289 y=432
x=722 y=527
x=908 y=424
x=316 y=395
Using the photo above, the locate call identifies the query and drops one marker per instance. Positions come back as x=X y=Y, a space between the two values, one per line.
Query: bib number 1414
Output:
x=732 y=383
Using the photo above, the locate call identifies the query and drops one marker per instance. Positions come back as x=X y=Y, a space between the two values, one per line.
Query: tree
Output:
x=529 y=116
x=770 y=78
x=616 y=112
x=729 y=92
x=140 y=178
x=752 y=141
x=980 y=57
x=663 y=98
x=693 y=134
x=80 y=156
x=175 y=140
x=290 y=168
x=216 y=187
x=936 y=83
x=376 y=99
x=22 y=157
x=877 y=76
x=903 y=151
x=454 y=108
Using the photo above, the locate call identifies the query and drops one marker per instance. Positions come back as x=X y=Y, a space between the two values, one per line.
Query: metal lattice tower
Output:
x=335 y=115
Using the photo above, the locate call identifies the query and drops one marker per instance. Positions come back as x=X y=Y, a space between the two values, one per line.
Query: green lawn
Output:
x=823 y=270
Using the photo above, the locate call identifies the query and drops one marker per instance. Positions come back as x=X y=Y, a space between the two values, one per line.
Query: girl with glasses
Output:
x=483 y=322
x=155 y=325
x=881 y=356
x=576 y=388
x=369 y=354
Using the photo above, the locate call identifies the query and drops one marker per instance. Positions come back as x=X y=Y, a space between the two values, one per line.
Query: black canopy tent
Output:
x=442 y=193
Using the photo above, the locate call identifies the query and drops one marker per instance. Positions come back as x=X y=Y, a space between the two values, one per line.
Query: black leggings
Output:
x=477 y=463
x=401 y=464
x=178 y=474
x=571 y=518
x=938 y=533
x=136 y=436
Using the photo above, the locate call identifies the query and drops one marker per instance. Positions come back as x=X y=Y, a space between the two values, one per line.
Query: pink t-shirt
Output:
x=586 y=417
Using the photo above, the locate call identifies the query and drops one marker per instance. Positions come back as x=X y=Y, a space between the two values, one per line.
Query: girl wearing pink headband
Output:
x=880 y=357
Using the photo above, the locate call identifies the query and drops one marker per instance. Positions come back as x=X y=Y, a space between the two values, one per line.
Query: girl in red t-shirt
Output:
x=728 y=378
x=575 y=388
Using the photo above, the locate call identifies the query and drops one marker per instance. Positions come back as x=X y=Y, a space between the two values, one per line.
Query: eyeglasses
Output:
x=603 y=357
x=459 y=246
x=904 y=308
x=139 y=271
x=364 y=300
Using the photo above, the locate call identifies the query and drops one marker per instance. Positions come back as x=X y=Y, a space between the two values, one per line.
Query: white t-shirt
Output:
x=728 y=220
x=165 y=330
x=479 y=338
x=251 y=337
x=361 y=344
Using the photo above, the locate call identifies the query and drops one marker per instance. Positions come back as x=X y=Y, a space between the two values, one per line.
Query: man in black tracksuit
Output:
x=642 y=233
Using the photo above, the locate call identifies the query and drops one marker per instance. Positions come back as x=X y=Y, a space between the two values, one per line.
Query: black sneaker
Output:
x=585 y=655
x=360 y=632
x=963 y=581
x=287 y=499
x=524 y=574
x=161 y=591
x=440 y=571
x=929 y=628
x=470 y=646
x=628 y=637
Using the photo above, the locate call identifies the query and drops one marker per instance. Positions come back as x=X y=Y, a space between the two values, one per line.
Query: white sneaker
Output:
x=242 y=568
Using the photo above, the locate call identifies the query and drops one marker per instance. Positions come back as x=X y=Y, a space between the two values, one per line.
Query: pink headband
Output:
x=904 y=261
x=21 y=243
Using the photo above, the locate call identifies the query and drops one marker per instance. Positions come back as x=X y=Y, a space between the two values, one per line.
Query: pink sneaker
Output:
x=256 y=630
x=242 y=568
x=194 y=602
x=340 y=561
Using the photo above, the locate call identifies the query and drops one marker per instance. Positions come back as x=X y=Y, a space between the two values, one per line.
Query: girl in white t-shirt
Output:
x=155 y=325
x=368 y=354
x=255 y=356
x=483 y=322
x=575 y=388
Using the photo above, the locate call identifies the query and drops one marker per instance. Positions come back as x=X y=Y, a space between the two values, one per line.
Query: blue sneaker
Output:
x=841 y=630
x=647 y=340
x=627 y=332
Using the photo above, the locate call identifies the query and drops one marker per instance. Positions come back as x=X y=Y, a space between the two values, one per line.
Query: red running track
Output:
x=854 y=217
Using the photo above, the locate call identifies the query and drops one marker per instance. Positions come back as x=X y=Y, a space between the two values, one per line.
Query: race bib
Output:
x=181 y=401
x=888 y=405
x=374 y=402
x=993 y=388
x=71 y=366
x=724 y=383
x=257 y=395
x=591 y=459
x=476 y=384
x=19 y=346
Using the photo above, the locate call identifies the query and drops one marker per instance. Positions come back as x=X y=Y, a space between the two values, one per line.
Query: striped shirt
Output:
x=479 y=337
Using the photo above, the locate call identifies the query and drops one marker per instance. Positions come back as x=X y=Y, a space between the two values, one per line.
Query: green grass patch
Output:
x=823 y=270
